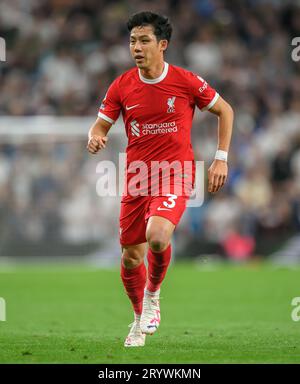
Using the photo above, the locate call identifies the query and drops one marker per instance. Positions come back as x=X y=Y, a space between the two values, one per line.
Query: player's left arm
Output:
x=218 y=171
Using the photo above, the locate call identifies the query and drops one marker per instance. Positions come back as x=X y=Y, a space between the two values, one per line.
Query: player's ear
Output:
x=163 y=44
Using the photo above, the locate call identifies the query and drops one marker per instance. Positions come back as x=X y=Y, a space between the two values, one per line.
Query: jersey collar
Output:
x=158 y=79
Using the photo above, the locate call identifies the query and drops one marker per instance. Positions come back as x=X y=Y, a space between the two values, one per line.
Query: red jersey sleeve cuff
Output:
x=211 y=103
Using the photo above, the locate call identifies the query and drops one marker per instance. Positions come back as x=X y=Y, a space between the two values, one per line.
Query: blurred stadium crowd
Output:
x=61 y=57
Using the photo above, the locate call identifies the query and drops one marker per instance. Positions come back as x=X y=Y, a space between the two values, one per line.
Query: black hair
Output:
x=161 y=24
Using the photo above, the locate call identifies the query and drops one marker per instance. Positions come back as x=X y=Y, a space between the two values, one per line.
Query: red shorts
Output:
x=135 y=213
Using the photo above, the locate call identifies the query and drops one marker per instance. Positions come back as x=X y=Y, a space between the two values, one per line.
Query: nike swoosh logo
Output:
x=163 y=209
x=133 y=106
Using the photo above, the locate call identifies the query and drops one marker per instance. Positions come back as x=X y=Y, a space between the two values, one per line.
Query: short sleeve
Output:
x=204 y=96
x=111 y=105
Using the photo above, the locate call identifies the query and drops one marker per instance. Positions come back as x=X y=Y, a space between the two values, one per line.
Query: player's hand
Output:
x=217 y=175
x=96 y=143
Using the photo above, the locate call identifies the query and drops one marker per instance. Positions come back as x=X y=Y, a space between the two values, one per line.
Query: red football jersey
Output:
x=158 y=114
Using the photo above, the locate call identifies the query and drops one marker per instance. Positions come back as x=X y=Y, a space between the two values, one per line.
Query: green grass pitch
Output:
x=80 y=314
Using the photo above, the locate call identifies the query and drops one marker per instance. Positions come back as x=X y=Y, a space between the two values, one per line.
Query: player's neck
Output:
x=154 y=71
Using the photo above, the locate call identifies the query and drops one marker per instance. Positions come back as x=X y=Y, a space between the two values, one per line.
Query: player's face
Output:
x=144 y=47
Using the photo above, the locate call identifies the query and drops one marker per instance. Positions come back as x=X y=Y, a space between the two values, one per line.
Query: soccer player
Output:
x=157 y=102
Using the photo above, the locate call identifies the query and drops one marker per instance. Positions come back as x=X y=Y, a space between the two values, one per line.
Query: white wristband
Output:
x=221 y=155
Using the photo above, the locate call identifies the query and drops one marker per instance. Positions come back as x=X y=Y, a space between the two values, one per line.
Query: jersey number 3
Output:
x=171 y=201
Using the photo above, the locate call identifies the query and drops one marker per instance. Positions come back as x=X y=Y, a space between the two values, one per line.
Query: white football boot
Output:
x=150 y=318
x=135 y=336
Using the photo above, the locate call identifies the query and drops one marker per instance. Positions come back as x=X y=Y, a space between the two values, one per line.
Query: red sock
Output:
x=158 y=263
x=134 y=281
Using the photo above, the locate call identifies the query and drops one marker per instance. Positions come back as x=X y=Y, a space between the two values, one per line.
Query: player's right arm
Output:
x=108 y=113
x=97 y=135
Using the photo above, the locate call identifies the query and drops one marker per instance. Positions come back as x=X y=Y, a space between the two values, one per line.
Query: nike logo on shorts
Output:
x=133 y=106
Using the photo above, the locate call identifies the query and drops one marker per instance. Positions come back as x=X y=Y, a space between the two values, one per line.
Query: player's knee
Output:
x=131 y=258
x=158 y=242
x=158 y=237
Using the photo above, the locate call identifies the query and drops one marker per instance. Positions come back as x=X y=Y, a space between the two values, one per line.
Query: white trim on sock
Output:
x=152 y=294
